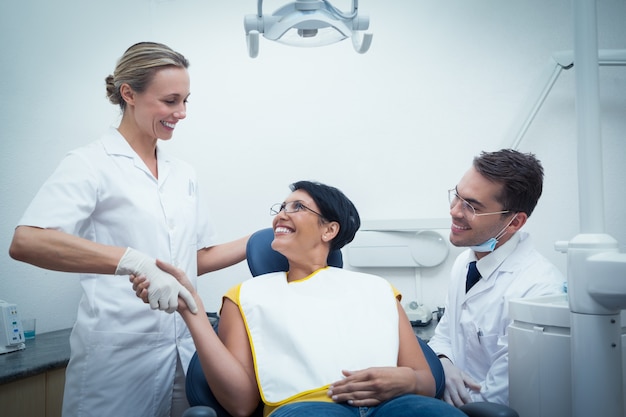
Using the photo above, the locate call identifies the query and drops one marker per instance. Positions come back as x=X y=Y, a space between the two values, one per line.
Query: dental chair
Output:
x=262 y=259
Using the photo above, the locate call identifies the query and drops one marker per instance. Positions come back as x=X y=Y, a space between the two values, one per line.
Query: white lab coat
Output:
x=123 y=354
x=473 y=331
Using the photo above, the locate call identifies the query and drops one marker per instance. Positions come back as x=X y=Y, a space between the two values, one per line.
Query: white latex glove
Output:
x=457 y=383
x=164 y=289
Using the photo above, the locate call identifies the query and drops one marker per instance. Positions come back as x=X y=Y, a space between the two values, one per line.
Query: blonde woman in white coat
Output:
x=111 y=208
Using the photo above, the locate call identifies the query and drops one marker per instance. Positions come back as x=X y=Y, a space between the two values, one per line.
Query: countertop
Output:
x=425 y=332
x=46 y=352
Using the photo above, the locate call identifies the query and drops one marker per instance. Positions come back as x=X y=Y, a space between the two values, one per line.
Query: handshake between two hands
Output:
x=163 y=289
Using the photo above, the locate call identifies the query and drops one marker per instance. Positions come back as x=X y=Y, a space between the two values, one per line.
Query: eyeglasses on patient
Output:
x=291 y=207
x=468 y=210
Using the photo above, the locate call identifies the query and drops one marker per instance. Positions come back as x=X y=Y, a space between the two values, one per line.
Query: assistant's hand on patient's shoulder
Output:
x=371 y=386
x=457 y=383
x=164 y=289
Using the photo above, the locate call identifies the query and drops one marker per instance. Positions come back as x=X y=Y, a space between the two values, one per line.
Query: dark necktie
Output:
x=472 y=276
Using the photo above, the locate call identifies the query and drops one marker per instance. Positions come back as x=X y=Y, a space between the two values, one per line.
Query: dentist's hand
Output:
x=163 y=289
x=457 y=383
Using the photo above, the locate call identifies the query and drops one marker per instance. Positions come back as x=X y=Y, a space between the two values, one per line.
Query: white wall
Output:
x=394 y=128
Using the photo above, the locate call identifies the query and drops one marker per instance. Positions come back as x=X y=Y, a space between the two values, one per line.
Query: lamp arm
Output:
x=339 y=13
x=564 y=60
x=556 y=69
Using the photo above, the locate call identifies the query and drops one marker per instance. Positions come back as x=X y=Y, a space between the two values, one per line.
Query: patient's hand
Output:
x=371 y=386
x=177 y=273
x=140 y=286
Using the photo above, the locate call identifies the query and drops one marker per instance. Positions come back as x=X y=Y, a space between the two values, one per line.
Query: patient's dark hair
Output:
x=335 y=207
x=520 y=174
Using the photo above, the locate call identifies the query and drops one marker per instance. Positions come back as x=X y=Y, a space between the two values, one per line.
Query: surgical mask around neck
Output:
x=490 y=245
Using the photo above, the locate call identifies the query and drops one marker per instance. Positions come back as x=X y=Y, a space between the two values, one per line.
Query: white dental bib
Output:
x=304 y=333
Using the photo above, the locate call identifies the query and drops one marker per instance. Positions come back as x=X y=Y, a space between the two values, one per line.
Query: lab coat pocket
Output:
x=117 y=365
x=488 y=343
x=108 y=354
x=479 y=349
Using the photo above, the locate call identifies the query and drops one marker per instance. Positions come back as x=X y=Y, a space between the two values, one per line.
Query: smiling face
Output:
x=157 y=110
x=302 y=233
x=481 y=194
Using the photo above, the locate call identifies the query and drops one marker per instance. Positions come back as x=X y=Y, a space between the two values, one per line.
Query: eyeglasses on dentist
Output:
x=468 y=210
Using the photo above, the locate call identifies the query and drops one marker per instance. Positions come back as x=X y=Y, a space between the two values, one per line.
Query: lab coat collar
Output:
x=115 y=144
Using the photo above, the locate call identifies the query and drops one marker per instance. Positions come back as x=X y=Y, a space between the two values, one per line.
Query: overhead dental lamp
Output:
x=308 y=23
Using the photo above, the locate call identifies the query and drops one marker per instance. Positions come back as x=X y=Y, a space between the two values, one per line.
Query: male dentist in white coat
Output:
x=489 y=206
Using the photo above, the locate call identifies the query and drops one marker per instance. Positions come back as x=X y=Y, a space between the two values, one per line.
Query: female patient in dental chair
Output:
x=316 y=340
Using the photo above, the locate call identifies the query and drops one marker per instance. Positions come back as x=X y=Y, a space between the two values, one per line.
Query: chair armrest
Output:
x=485 y=409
